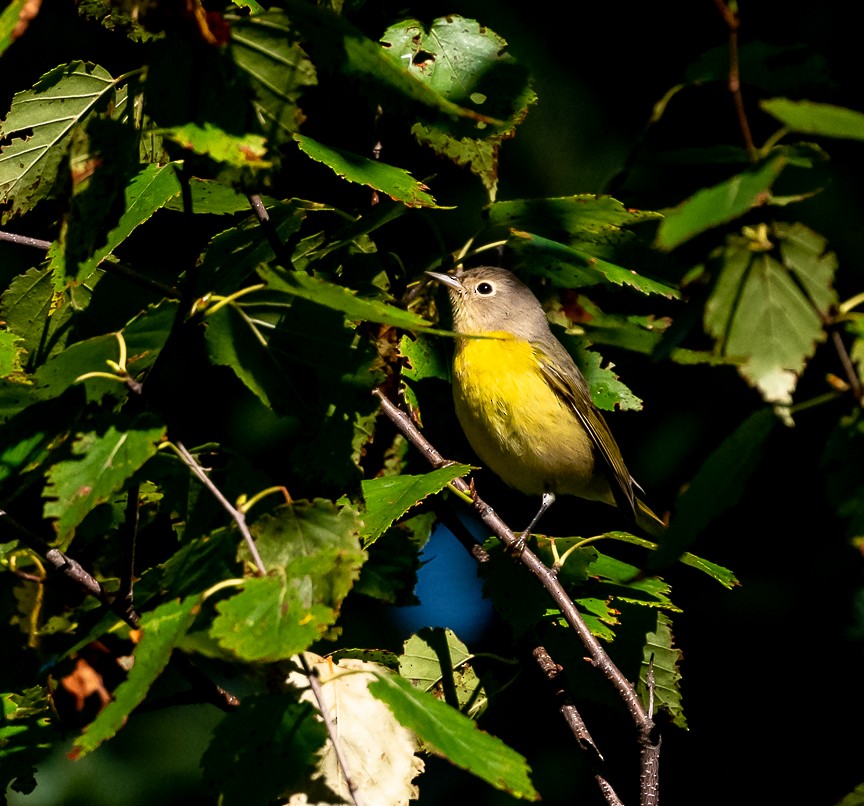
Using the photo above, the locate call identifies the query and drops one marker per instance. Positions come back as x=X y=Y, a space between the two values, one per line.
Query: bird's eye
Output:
x=485 y=289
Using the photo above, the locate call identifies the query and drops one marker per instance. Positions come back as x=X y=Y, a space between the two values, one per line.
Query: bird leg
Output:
x=546 y=502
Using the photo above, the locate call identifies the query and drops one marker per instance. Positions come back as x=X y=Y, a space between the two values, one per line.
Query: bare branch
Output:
x=24 y=240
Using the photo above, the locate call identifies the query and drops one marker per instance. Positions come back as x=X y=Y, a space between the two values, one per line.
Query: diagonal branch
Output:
x=599 y=658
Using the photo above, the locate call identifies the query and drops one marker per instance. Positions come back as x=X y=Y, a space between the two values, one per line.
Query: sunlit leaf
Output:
x=719 y=204
x=455 y=737
x=59 y=101
x=390 y=497
x=160 y=632
x=101 y=464
x=808 y=117
x=243 y=151
x=397 y=183
x=663 y=658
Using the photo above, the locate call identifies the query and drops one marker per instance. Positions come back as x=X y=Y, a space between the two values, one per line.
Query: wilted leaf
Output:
x=379 y=751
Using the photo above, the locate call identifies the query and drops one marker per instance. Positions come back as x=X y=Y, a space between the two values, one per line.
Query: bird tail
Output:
x=647 y=520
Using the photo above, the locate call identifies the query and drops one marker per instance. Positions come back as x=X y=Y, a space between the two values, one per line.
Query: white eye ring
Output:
x=485 y=289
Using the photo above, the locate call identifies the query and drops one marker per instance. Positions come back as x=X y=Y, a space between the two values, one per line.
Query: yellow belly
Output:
x=517 y=424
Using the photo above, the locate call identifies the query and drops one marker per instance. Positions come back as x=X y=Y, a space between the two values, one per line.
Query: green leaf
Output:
x=27 y=737
x=312 y=550
x=339 y=298
x=424 y=359
x=335 y=44
x=59 y=101
x=10 y=354
x=245 y=151
x=9 y=22
x=663 y=658
x=716 y=487
x=211 y=196
x=232 y=255
x=234 y=341
x=161 y=630
x=466 y=63
x=103 y=463
x=764 y=308
x=719 y=204
x=397 y=183
x=265 y=747
x=807 y=117
x=271 y=619
x=607 y=390
x=435 y=660
x=148 y=192
x=388 y=498
x=264 y=47
x=454 y=736
x=570 y=268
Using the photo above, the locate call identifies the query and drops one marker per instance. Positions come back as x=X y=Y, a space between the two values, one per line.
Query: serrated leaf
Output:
x=265 y=747
x=719 y=204
x=623 y=578
x=271 y=619
x=264 y=47
x=397 y=183
x=388 y=498
x=233 y=341
x=211 y=196
x=234 y=254
x=454 y=736
x=570 y=268
x=339 y=298
x=808 y=117
x=716 y=487
x=59 y=101
x=41 y=316
x=148 y=192
x=27 y=736
x=313 y=552
x=381 y=754
x=245 y=151
x=105 y=462
x=575 y=220
x=424 y=359
x=663 y=657
x=758 y=311
x=335 y=43
x=160 y=632
x=607 y=390
x=435 y=660
x=10 y=353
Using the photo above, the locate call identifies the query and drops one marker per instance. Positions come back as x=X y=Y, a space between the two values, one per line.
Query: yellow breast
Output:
x=517 y=424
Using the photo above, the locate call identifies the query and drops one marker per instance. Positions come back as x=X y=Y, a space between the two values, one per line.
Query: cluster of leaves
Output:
x=226 y=279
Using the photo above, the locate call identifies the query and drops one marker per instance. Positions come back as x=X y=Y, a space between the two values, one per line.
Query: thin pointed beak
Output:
x=447 y=279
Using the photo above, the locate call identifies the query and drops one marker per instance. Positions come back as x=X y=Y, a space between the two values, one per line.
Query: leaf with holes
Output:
x=59 y=101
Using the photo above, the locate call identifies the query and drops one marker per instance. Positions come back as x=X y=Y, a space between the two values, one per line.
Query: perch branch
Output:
x=598 y=656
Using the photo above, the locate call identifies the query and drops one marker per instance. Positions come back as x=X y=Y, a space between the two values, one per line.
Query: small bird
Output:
x=523 y=403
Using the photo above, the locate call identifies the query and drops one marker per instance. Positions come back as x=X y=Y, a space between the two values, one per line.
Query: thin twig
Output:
x=848 y=366
x=269 y=230
x=237 y=516
x=130 y=534
x=730 y=17
x=25 y=240
x=315 y=686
